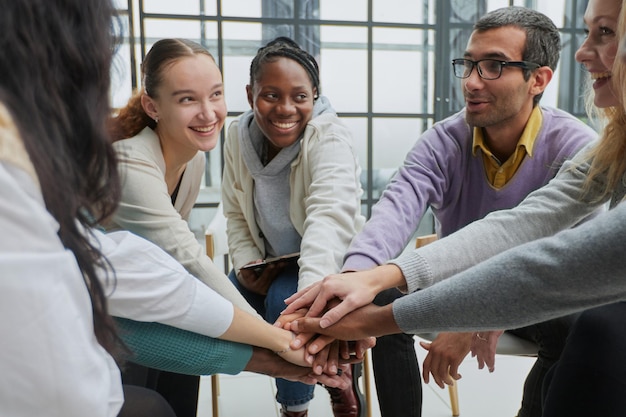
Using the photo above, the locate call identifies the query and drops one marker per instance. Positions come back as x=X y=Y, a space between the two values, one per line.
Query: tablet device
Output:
x=258 y=266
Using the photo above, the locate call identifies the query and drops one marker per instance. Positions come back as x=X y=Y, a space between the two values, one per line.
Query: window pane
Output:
x=358 y=128
x=121 y=81
x=170 y=28
x=352 y=10
x=554 y=9
x=120 y=4
x=210 y=7
x=468 y=11
x=573 y=78
x=402 y=11
x=241 y=41
x=458 y=44
x=243 y=8
x=236 y=77
x=345 y=85
x=400 y=70
x=172 y=7
x=392 y=139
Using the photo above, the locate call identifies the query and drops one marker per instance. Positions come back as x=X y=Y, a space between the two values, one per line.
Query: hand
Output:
x=327 y=359
x=266 y=362
x=301 y=339
x=362 y=323
x=259 y=282
x=445 y=354
x=484 y=348
x=297 y=356
x=353 y=290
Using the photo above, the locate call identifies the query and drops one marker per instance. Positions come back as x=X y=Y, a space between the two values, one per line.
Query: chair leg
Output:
x=366 y=383
x=215 y=393
x=454 y=399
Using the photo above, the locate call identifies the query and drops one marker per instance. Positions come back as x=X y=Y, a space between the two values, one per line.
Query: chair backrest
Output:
x=425 y=240
x=217 y=241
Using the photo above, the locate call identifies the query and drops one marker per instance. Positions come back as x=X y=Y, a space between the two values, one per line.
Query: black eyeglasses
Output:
x=488 y=69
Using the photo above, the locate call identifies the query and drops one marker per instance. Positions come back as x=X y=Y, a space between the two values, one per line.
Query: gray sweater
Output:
x=537 y=281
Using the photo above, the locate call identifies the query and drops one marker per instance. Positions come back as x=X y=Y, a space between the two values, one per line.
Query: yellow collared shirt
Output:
x=498 y=172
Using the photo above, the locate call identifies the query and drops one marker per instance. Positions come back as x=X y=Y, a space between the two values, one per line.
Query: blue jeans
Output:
x=269 y=306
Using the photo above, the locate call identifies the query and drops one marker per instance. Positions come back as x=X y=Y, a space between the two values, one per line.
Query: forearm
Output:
x=253 y=331
x=574 y=270
x=554 y=207
x=174 y=350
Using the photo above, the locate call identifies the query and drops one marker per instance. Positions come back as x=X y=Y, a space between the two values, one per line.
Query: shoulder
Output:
x=232 y=132
x=451 y=134
x=325 y=127
x=145 y=145
x=562 y=135
x=559 y=120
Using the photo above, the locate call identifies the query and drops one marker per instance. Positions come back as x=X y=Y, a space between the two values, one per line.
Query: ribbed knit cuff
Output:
x=416 y=271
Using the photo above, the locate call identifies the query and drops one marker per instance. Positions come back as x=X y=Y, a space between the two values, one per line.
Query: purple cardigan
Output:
x=440 y=171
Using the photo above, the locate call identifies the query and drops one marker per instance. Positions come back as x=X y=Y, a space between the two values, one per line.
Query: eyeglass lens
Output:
x=489 y=69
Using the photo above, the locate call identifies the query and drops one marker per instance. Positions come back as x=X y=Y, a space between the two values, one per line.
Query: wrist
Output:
x=286 y=347
x=386 y=276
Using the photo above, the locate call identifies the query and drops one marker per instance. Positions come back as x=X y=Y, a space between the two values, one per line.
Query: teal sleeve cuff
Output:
x=168 y=348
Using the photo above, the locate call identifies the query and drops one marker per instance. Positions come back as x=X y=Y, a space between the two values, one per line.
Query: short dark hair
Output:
x=543 y=41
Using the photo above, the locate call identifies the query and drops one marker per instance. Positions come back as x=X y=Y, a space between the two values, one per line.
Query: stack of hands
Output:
x=334 y=322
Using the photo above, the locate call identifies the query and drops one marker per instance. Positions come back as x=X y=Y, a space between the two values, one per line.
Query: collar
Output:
x=527 y=140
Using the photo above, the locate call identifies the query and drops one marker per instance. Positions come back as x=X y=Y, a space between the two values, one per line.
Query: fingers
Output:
x=284 y=319
x=302 y=299
x=306 y=325
x=335 y=381
x=335 y=314
x=320 y=360
x=443 y=370
x=319 y=343
x=362 y=345
x=330 y=366
x=301 y=339
x=426 y=366
x=481 y=362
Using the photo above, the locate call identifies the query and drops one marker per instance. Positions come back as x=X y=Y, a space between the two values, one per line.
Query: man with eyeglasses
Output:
x=487 y=157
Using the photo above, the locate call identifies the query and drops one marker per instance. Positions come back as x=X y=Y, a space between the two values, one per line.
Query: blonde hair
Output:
x=608 y=157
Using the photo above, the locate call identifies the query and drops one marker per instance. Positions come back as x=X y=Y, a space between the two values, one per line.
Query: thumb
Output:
x=425 y=345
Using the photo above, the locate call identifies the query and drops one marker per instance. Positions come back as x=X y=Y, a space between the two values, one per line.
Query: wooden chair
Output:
x=213 y=248
x=508 y=344
x=215 y=380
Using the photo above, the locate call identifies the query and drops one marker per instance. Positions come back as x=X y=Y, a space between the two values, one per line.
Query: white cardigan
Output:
x=325 y=205
x=146 y=209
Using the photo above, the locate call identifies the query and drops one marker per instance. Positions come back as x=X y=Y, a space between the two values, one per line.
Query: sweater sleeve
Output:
x=576 y=269
x=146 y=209
x=558 y=205
x=166 y=348
x=428 y=175
x=148 y=285
x=332 y=203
